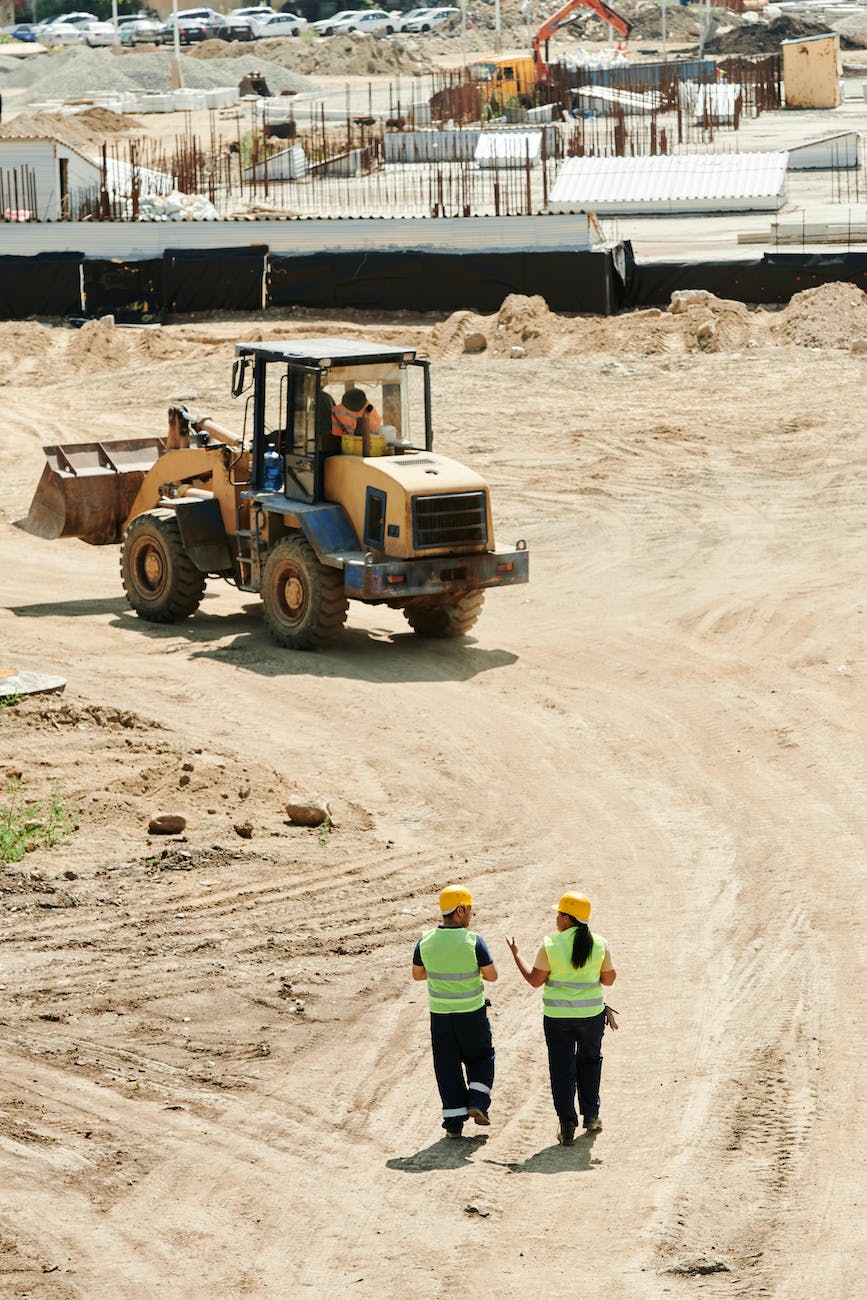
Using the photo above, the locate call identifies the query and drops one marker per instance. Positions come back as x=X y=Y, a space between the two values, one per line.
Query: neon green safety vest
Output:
x=570 y=994
x=454 y=984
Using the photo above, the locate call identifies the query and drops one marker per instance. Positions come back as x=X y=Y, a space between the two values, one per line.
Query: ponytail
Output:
x=582 y=943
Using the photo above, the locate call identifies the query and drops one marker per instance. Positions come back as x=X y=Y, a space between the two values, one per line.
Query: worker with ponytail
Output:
x=571 y=967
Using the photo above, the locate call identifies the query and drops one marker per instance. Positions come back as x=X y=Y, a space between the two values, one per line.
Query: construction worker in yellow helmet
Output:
x=572 y=966
x=456 y=961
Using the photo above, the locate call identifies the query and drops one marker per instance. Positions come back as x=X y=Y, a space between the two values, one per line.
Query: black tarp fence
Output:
x=48 y=284
x=769 y=278
x=131 y=291
x=214 y=279
x=433 y=281
x=235 y=280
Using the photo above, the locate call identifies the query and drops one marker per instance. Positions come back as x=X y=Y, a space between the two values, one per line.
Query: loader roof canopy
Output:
x=330 y=351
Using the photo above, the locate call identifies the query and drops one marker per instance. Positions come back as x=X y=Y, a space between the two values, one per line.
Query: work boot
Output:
x=566 y=1133
x=453 y=1133
x=479 y=1115
x=592 y=1124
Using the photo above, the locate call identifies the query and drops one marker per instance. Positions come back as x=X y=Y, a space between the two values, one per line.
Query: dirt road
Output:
x=215 y=1076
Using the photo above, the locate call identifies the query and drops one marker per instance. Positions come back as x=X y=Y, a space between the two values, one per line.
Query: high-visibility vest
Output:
x=454 y=983
x=344 y=421
x=569 y=993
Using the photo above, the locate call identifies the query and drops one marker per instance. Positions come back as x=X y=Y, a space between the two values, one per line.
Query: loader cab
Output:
x=290 y=390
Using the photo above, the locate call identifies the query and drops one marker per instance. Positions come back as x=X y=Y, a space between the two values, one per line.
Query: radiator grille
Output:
x=457 y=519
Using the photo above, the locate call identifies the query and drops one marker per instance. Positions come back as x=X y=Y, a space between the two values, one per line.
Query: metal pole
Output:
x=176 y=77
x=664 y=47
x=464 y=32
x=115 y=40
x=497 y=35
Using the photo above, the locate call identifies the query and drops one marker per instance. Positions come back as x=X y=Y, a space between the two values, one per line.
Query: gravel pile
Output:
x=80 y=71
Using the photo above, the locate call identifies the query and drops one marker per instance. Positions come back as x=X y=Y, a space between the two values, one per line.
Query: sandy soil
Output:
x=215 y=1077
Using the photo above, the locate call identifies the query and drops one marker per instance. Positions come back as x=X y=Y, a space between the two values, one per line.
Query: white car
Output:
x=279 y=25
x=139 y=31
x=326 y=26
x=99 y=34
x=404 y=20
x=256 y=15
x=376 y=22
x=66 y=29
x=426 y=20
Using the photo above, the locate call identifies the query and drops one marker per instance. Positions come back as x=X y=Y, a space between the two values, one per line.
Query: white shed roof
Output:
x=508 y=148
x=731 y=182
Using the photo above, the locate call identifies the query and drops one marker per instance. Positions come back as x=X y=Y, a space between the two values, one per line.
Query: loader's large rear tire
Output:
x=160 y=580
x=448 y=618
x=305 y=601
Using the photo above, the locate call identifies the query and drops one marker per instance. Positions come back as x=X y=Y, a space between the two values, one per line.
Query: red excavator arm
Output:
x=602 y=10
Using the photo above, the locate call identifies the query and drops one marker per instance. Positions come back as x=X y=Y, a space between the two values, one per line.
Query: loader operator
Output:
x=455 y=961
x=349 y=414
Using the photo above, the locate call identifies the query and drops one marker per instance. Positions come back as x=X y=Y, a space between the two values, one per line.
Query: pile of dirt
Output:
x=831 y=316
x=23 y=345
x=765 y=38
x=355 y=54
x=696 y=321
x=682 y=22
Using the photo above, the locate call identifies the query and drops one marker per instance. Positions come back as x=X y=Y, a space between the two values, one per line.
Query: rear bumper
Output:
x=398 y=579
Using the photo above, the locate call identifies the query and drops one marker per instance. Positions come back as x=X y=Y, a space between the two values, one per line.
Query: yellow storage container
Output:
x=350 y=444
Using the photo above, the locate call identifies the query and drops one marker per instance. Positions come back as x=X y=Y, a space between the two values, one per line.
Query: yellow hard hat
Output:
x=574 y=904
x=454 y=896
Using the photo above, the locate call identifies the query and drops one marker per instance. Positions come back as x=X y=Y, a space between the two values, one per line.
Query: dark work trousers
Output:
x=575 y=1064
x=462 y=1041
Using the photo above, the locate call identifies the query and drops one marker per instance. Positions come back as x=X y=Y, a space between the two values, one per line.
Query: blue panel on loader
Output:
x=325 y=525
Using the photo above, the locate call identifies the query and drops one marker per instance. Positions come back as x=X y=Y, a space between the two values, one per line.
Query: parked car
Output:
x=376 y=22
x=99 y=34
x=326 y=26
x=64 y=29
x=280 y=25
x=193 y=25
x=405 y=19
x=234 y=27
x=139 y=31
x=256 y=15
x=427 y=20
x=21 y=32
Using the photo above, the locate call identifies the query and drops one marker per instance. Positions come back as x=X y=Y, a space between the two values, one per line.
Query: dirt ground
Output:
x=215 y=1078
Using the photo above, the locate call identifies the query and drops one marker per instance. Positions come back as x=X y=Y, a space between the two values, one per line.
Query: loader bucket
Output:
x=87 y=489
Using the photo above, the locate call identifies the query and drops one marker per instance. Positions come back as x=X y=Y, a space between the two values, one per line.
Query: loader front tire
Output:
x=160 y=580
x=305 y=601
x=446 y=618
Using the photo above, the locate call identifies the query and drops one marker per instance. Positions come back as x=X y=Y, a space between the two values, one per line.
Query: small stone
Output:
x=167 y=824
x=475 y=342
x=183 y=781
x=859 y=347
x=244 y=792
x=683 y=299
x=312 y=812
x=70 y=875
x=476 y=1207
x=517 y=352
x=244 y=829
x=186 y=767
x=706 y=333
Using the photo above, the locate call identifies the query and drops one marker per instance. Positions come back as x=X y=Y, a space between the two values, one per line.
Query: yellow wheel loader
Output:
x=337 y=495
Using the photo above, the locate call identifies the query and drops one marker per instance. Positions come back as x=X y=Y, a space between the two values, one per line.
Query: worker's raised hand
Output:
x=512 y=944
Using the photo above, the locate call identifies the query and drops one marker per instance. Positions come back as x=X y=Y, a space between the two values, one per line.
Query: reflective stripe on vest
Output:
x=344 y=421
x=571 y=994
x=454 y=984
